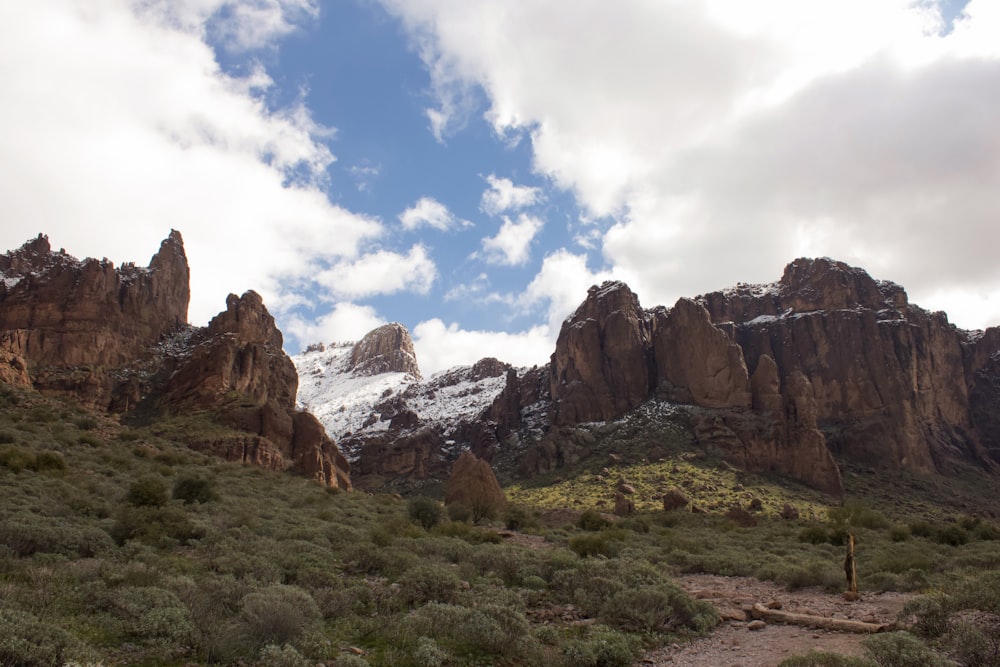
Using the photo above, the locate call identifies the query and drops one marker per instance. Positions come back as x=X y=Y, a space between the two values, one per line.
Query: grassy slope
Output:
x=276 y=570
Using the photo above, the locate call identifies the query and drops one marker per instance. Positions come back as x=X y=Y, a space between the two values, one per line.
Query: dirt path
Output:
x=734 y=644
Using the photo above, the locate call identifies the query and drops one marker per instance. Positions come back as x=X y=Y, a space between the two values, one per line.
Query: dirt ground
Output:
x=734 y=644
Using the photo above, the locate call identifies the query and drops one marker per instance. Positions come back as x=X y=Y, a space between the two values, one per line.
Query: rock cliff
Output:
x=826 y=361
x=118 y=340
x=387 y=349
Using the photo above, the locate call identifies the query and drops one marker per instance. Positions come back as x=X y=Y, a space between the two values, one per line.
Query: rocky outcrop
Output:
x=472 y=483
x=57 y=311
x=236 y=368
x=696 y=362
x=891 y=382
x=387 y=349
x=827 y=361
x=601 y=367
x=118 y=340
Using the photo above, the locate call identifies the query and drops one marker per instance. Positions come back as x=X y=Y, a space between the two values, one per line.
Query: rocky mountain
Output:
x=391 y=423
x=825 y=365
x=117 y=340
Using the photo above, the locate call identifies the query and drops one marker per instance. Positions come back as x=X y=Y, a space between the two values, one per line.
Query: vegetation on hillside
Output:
x=120 y=546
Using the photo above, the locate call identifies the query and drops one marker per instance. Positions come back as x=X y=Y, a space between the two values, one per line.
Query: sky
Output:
x=470 y=168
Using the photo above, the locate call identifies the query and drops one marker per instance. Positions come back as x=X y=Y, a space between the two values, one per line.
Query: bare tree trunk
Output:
x=850 y=566
x=823 y=622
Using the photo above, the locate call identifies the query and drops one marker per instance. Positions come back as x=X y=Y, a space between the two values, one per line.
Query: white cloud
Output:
x=724 y=137
x=429 y=212
x=512 y=244
x=440 y=347
x=119 y=126
x=380 y=272
x=503 y=196
x=346 y=322
x=560 y=286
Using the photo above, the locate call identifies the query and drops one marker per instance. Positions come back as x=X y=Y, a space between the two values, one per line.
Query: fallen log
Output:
x=823 y=622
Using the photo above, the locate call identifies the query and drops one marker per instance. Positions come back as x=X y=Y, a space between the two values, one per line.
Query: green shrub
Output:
x=282 y=656
x=520 y=518
x=348 y=660
x=899 y=533
x=601 y=647
x=428 y=583
x=90 y=440
x=428 y=654
x=15 y=459
x=147 y=491
x=854 y=514
x=26 y=641
x=194 y=489
x=154 y=525
x=7 y=438
x=278 y=614
x=424 y=512
x=900 y=649
x=815 y=534
x=592 y=520
x=952 y=535
x=605 y=543
x=490 y=628
x=468 y=533
x=922 y=529
x=85 y=423
x=821 y=659
x=459 y=512
x=974 y=644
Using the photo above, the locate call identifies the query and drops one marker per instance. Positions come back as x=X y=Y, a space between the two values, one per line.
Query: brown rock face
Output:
x=118 y=339
x=601 y=367
x=696 y=361
x=890 y=381
x=238 y=369
x=839 y=362
x=473 y=483
x=387 y=349
x=58 y=311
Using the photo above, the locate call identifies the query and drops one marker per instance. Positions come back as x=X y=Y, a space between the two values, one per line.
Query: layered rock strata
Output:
x=117 y=339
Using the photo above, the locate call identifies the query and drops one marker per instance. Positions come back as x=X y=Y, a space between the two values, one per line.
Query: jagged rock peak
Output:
x=387 y=349
x=826 y=284
x=248 y=317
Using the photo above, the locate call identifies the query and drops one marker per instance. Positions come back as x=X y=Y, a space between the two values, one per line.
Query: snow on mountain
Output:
x=349 y=403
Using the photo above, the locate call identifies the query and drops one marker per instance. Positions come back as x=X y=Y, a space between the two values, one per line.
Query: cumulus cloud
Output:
x=503 y=196
x=512 y=244
x=429 y=212
x=380 y=272
x=120 y=125
x=725 y=138
x=346 y=322
x=440 y=346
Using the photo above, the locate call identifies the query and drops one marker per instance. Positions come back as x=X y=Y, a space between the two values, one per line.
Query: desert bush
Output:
x=281 y=656
x=16 y=459
x=27 y=641
x=813 y=572
x=899 y=533
x=466 y=532
x=922 y=529
x=147 y=491
x=424 y=512
x=85 y=423
x=605 y=543
x=459 y=512
x=952 y=535
x=855 y=514
x=900 y=649
x=987 y=531
x=976 y=644
x=26 y=535
x=154 y=525
x=428 y=583
x=427 y=653
x=490 y=628
x=278 y=614
x=520 y=518
x=90 y=440
x=7 y=438
x=194 y=489
x=348 y=660
x=822 y=659
x=601 y=646
x=815 y=534
x=592 y=520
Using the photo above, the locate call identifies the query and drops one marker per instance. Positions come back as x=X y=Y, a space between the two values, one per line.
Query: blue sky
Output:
x=469 y=169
